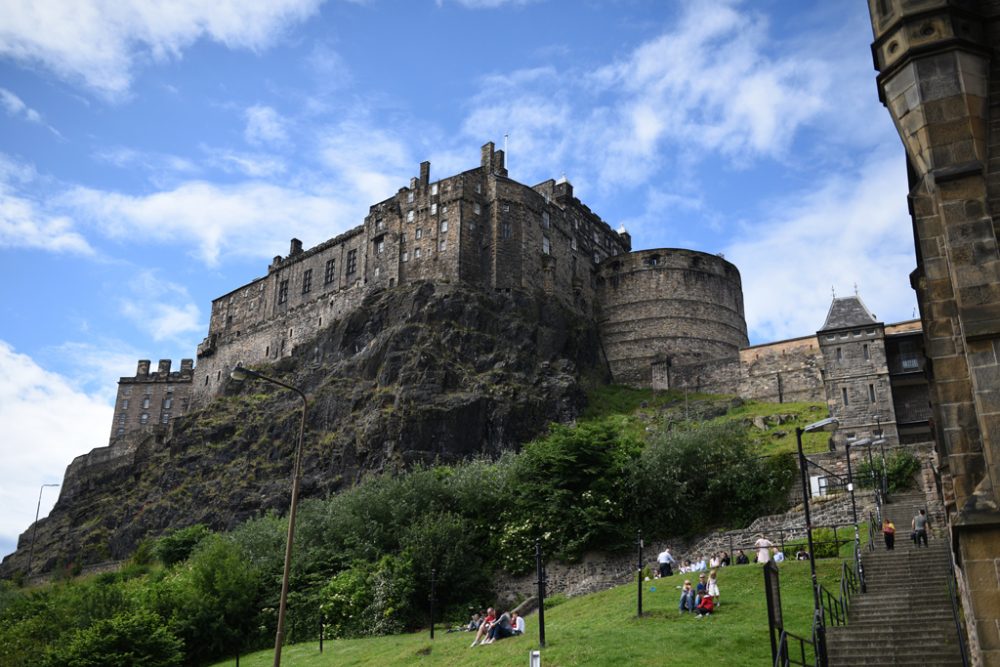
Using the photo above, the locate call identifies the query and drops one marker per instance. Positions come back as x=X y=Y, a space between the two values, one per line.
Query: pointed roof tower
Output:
x=847 y=312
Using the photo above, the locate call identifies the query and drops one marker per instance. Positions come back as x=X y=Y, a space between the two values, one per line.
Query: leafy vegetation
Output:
x=364 y=559
x=901 y=467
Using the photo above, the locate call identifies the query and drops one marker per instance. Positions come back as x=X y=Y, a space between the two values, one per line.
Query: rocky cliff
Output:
x=416 y=374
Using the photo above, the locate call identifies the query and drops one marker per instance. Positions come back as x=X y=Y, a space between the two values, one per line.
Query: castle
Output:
x=482 y=228
x=667 y=318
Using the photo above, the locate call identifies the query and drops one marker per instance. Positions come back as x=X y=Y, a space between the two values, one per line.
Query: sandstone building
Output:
x=149 y=401
x=939 y=77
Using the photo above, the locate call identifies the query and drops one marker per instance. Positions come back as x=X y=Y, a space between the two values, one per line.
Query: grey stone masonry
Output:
x=147 y=402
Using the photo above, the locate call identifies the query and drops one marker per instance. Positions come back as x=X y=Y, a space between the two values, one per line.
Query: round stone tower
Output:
x=674 y=305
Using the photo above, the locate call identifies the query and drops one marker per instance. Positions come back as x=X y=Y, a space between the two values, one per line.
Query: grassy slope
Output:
x=635 y=409
x=602 y=629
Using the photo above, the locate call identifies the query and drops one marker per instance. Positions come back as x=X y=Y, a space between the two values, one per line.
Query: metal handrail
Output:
x=785 y=659
x=953 y=591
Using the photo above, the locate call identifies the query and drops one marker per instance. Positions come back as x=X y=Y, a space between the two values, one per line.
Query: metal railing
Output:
x=835 y=607
x=786 y=657
x=956 y=616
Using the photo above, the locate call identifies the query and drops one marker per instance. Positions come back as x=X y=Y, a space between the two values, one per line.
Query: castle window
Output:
x=121 y=420
x=444 y=208
x=165 y=418
x=472 y=226
x=307 y=281
x=352 y=261
x=476 y=208
x=380 y=224
x=406 y=256
x=379 y=245
x=330 y=272
x=124 y=404
x=434 y=189
x=434 y=209
x=409 y=197
x=843 y=395
x=597 y=258
x=416 y=253
x=167 y=403
x=144 y=418
x=871 y=393
x=856 y=333
x=597 y=238
x=377 y=271
x=840 y=354
x=479 y=188
x=572 y=243
x=443 y=245
x=145 y=402
x=546 y=246
x=545 y=219
x=409 y=216
x=418 y=234
x=444 y=225
x=283 y=291
x=505 y=231
x=867 y=353
x=120 y=431
x=506 y=208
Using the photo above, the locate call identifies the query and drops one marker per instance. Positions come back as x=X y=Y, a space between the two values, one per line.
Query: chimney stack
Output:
x=143 y=369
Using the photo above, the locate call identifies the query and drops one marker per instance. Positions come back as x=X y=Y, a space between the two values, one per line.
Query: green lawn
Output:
x=602 y=629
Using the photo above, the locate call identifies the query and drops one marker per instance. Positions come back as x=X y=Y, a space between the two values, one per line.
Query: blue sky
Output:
x=152 y=158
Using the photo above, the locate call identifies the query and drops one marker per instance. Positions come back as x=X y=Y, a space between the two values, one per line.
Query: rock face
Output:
x=416 y=374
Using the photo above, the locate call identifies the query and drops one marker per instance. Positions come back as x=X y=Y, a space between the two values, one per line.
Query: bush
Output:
x=125 y=640
x=901 y=468
x=368 y=599
x=178 y=545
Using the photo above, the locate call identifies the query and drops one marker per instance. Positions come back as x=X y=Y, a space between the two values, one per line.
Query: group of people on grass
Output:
x=702 y=599
x=490 y=628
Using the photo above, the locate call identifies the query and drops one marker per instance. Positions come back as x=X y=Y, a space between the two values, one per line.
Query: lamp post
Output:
x=854 y=507
x=34 y=526
x=239 y=374
x=828 y=424
x=885 y=469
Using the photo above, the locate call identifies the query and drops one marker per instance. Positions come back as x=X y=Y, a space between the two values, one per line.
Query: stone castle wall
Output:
x=479 y=227
x=674 y=305
x=149 y=400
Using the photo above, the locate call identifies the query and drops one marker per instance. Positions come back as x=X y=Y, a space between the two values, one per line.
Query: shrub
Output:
x=901 y=467
x=125 y=640
x=178 y=545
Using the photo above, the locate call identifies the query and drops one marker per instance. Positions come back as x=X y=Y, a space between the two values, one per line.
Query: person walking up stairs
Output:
x=905 y=618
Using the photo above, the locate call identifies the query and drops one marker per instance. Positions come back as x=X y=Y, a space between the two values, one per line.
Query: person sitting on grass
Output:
x=687 y=597
x=779 y=555
x=741 y=558
x=701 y=590
x=518 y=622
x=725 y=560
x=501 y=628
x=802 y=554
x=474 y=622
x=484 y=627
x=705 y=607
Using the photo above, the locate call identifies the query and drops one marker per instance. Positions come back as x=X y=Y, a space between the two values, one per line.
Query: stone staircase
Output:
x=905 y=618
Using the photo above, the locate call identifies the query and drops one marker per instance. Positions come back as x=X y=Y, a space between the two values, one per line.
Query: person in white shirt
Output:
x=666 y=562
x=518 y=622
x=763 y=546
x=779 y=556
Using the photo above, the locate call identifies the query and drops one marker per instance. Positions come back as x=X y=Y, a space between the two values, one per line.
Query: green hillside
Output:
x=601 y=629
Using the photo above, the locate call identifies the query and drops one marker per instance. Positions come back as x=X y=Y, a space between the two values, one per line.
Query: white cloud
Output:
x=710 y=85
x=254 y=165
x=47 y=422
x=847 y=230
x=15 y=106
x=161 y=308
x=265 y=126
x=94 y=366
x=486 y=4
x=249 y=219
x=23 y=221
x=371 y=161
x=97 y=42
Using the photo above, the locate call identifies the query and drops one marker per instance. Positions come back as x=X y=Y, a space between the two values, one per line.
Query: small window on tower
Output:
x=352 y=261
x=545 y=219
x=434 y=188
x=418 y=234
x=307 y=281
x=434 y=209
x=476 y=208
x=843 y=395
x=444 y=225
x=840 y=354
x=867 y=353
x=409 y=216
x=871 y=393
x=416 y=253
x=546 y=247
x=283 y=291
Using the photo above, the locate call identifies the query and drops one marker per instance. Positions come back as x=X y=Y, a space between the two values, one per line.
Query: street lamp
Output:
x=854 y=508
x=829 y=424
x=34 y=526
x=240 y=374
